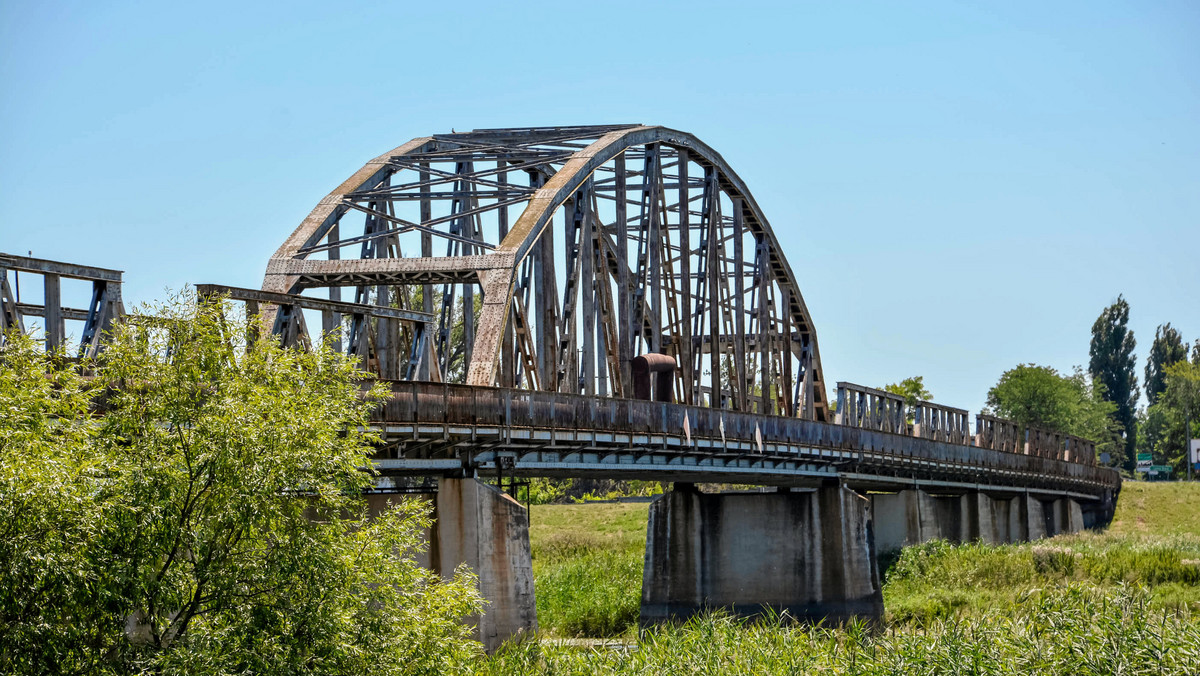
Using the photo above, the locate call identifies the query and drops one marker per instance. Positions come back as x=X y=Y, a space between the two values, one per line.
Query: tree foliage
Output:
x=912 y=389
x=1113 y=364
x=1042 y=397
x=195 y=507
x=1168 y=348
x=1162 y=431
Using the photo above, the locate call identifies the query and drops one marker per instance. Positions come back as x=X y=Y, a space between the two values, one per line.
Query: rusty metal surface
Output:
x=554 y=434
x=576 y=326
x=105 y=307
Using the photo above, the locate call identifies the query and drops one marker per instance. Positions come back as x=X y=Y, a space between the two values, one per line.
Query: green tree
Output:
x=1042 y=397
x=1166 y=435
x=912 y=389
x=1113 y=365
x=1168 y=348
x=196 y=507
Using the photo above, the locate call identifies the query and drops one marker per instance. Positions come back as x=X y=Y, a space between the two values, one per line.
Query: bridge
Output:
x=611 y=302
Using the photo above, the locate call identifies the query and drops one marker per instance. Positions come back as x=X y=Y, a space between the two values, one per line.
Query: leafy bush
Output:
x=195 y=507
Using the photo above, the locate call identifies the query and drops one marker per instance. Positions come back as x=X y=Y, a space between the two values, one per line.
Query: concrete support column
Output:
x=1035 y=517
x=897 y=520
x=809 y=553
x=476 y=524
x=948 y=517
x=489 y=531
x=991 y=519
x=1075 y=522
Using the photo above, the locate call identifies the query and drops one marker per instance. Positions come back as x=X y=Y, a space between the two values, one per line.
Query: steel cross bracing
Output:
x=544 y=263
x=552 y=257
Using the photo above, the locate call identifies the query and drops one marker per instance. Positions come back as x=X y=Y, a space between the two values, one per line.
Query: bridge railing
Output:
x=941 y=423
x=999 y=434
x=869 y=408
x=1006 y=435
x=1079 y=450
x=461 y=409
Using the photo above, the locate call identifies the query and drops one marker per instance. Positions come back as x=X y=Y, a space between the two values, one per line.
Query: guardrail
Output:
x=941 y=423
x=868 y=408
x=462 y=413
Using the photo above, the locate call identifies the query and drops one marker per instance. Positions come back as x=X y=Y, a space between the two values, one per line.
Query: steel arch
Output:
x=564 y=164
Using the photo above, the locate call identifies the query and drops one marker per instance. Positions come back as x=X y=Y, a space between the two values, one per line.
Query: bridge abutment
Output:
x=808 y=553
x=485 y=528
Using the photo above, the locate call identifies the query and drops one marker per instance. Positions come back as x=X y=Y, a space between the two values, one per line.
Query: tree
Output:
x=1040 y=396
x=1168 y=348
x=196 y=507
x=912 y=389
x=1166 y=435
x=1113 y=365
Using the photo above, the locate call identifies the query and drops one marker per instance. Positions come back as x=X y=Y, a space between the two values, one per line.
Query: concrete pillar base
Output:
x=1035 y=518
x=476 y=524
x=809 y=554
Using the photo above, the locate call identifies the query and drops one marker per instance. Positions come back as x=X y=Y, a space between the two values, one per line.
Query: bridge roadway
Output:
x=447 y=429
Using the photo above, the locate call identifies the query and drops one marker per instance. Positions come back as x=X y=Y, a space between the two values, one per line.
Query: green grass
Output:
x=587 y=561
x=587 y=567
x=1124 y=601
x=1077 y=630
x=1158 y=508
x=938 y=580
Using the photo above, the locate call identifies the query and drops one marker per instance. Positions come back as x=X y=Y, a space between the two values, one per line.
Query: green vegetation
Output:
x=1167 y=349
x=587 y=563
x=1161 y=430
x=195 y=508
x=1040 y=396
x=1071 y=631
x=1157 y=509
x=938 y=580
x=1112 y=364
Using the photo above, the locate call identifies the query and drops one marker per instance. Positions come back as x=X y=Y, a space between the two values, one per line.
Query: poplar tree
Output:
x=1113 y=364
x=1168 y=348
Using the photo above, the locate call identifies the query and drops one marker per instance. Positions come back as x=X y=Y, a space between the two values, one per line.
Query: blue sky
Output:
x=959 y=187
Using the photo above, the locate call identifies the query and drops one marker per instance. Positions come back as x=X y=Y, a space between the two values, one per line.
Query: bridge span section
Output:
x=525 y=290
x=842 y=494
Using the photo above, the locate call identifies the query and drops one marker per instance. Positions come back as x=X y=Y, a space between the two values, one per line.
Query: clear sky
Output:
x=959 y=187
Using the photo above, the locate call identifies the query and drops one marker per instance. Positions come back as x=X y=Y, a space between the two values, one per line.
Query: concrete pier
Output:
x=476 y=524
x=809 y=554
x=914 y=516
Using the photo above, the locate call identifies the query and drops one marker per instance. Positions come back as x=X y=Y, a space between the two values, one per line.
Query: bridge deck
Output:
x=433 y=428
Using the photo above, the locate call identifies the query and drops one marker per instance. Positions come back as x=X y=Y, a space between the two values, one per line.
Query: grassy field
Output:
x=587 y=562
x=1072 y=631
x=587 y=567
x=1157 y=509
x=1126 y=601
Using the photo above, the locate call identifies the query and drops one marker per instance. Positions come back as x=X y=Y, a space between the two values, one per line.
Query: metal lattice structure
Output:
x=104 y=308
x=551 y=258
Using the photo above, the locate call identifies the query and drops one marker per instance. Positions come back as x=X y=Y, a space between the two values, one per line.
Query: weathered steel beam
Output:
x=68 y=270
x=308 y=303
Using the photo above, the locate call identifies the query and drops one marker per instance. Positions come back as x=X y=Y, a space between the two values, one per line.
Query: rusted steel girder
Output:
x=630 y=239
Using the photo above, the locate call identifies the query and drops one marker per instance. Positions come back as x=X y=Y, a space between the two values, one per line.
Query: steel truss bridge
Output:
x=604 y=301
